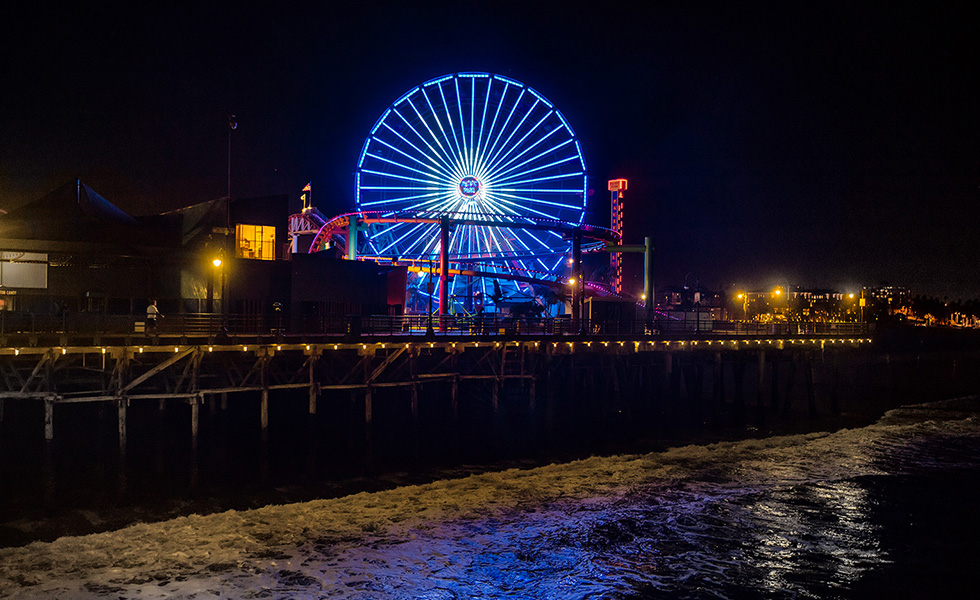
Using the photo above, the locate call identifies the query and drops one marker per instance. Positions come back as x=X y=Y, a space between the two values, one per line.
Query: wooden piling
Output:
x=313 y=387
x=415 y=401
x=774 y=399
x=835 y=382
x=454 y=395
x=738 y=378
x=49 y=418
x=368 y=406
x=121 y=405
x=264 y=404
x=790 y=380
x=761 y=382
x=719 y=382
x=811 y=394
x=195 y=419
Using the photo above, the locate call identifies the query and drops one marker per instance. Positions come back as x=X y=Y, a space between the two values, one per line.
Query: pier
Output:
x=192 y=361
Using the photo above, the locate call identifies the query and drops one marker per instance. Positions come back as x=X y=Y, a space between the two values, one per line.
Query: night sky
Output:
x=798 y=144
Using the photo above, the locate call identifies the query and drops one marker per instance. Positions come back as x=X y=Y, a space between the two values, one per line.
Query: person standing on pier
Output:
x=152 y=314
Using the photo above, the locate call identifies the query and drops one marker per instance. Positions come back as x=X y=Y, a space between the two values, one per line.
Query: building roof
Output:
x=76 y=213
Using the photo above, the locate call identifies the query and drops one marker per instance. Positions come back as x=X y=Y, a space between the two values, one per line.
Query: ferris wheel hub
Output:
x=469 y=186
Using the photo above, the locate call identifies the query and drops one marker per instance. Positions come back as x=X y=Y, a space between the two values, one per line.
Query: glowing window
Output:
x=255 y=241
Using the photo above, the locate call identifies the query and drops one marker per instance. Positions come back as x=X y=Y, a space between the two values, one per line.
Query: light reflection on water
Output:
x=703 y=541
x=809 y=527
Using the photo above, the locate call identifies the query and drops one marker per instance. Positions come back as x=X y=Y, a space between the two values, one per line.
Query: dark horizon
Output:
x=830 y=147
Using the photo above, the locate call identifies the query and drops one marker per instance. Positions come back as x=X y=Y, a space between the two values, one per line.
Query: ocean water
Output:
x=718 y=504
x=884 y=510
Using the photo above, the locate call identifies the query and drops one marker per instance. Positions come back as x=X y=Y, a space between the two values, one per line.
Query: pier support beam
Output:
x=122 y=404
x=49 y=418
x=314 y=388
x=264 y=404
x=368 y=406
x=761 y=383
x=738 y=377
x=415 y=401
x=454 y=396
x=811 y=392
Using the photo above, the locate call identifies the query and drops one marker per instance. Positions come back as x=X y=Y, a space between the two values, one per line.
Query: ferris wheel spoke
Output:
x=503 y=95
x=472 y=119
x=430 y=205
x=425 y=235
x=506 y=145
x=509 y=168
x=500 y=175
x=449 y=120
x=513 y=206
x=533 y=200
x=436 y=168
x=395 y=201
x=539 y=179
x=416 y=148
x=445 y=155
x=493 y=147
x=406 y=167
x=462 y=123
x=520 y=143
x=393 y=231
x=435 y=114
x=419 y=135
x=500 y=208
x=483 y=122
x=428 y=182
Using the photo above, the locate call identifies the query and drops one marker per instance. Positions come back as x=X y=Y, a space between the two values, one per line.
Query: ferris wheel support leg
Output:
x=352 y=228
x=443 y=271
x=578 y=290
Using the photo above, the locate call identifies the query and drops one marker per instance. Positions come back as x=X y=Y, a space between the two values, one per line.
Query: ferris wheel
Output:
x=476 y=146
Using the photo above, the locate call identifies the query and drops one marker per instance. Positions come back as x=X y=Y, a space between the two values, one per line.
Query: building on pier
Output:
x=73 y=255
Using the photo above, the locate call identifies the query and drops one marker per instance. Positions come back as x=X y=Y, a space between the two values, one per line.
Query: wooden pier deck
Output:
x=120 y=370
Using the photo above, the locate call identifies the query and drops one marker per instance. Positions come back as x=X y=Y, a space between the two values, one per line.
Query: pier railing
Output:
x=15 y=325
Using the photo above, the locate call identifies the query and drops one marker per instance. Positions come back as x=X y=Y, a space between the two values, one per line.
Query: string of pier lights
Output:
x=637 y=344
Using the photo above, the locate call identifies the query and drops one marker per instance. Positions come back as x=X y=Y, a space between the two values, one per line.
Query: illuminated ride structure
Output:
x=477 y=183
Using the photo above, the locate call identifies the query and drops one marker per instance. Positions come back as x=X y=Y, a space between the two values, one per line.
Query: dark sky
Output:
x=823 y=145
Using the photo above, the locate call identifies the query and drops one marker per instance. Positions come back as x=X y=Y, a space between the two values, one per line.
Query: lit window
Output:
x=255 y=241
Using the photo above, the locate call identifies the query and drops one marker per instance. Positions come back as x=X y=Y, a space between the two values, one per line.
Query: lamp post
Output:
x=232 y=125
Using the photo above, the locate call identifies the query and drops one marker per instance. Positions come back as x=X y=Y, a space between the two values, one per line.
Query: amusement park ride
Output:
x=478 y=185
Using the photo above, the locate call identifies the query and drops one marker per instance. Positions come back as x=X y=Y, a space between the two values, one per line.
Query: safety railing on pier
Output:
x=13 y=324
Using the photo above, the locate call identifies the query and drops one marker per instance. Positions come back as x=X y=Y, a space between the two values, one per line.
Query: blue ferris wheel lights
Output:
x=565 y=123
x=578 y=147
x=405 y=96
x=506 y=80
x=541 y=98
x=479 y=145
x=436 y=80
x=380 y=121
